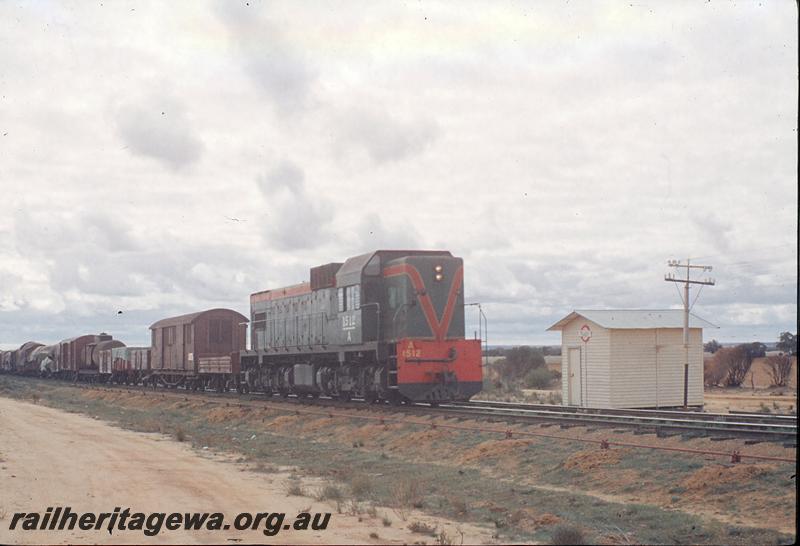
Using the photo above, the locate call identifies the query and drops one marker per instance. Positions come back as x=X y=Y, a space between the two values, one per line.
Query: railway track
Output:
x=752 y=428
x=718 y=426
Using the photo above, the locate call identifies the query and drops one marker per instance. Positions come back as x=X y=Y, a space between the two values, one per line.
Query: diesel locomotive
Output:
x=387 y=325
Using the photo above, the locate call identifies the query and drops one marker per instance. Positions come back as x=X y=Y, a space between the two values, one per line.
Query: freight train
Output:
x=383 y=326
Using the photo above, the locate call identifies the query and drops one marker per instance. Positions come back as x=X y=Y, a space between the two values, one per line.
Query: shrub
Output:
x=361 y=485
x=422 y=528
x=568 y=534
x=779 y=368
x=180 y=434
x=294 y=489
x=713 y=372
x=330 y=492
x=732 y=364
x=518 y=362
x=443 y=539
x=406 y=495
x=539 y=378
x=738 y=361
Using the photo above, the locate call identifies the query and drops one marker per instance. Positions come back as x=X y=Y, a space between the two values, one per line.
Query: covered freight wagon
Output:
x=101 y=356
x=198 y=349
x=129 y=364
x=75 y=355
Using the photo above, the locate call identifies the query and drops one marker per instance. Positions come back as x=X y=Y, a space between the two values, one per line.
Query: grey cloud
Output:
x=374 y=234
x=716 y=230
x=280 y=70
x=159 y=127
x=295 y=218
x=385 y=137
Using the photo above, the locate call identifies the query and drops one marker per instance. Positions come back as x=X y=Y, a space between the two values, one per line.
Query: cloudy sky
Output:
x=163 y=157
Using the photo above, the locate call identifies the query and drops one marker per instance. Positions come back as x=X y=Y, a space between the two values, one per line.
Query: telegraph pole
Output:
x=670 y=277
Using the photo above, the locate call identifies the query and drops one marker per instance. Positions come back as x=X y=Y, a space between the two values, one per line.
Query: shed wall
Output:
x=596 y=387
x=647 y=367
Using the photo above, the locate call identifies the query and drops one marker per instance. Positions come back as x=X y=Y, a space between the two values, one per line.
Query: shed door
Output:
x=574 y=371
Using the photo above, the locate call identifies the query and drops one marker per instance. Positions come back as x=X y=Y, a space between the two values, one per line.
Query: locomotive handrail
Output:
x=450 y=359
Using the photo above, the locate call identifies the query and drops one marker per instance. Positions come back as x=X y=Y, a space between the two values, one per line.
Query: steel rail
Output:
x=701 y=415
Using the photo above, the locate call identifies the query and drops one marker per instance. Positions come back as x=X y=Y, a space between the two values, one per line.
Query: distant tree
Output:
x=779 y=368
x=518 y=362
x=787 y=342
x=712 y=346
x=540 y=378
x=733 y=363
x=713 y=372
x=755 y=349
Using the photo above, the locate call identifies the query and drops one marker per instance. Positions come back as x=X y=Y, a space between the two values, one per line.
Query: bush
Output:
x=730 y=366
x=738 y=361
x=422 y=528
x=568 y=534
x=518 y=362
x=295 y=490
x=361 y=485
x=540 y=378
x=330 y=492
x=406 y=495
x=713 y=372
x=780 y=369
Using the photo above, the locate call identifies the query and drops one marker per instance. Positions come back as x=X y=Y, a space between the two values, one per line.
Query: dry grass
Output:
x=406 y=495
x=330 y=492
x=294 y=489
x=459 y=505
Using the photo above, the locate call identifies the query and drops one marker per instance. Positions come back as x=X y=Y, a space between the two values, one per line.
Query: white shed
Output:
x=630 y=358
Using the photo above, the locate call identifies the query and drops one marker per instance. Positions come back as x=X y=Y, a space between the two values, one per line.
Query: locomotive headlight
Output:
x=438 y=269
x=438 y=277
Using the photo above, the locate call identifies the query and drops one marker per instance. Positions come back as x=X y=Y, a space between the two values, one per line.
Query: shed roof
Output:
x=635 y=318
x=191 y=317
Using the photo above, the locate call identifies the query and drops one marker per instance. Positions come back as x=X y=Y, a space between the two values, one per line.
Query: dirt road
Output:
x=53 y=458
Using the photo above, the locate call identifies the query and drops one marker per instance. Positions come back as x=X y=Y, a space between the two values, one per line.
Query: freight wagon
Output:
x=129 y=364
x=198 y=350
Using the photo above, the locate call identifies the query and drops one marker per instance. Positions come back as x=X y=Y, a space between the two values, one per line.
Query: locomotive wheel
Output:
x=344 y=396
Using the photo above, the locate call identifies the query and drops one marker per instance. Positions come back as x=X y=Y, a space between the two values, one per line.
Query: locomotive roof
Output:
x=189 y=318
x=350 y=272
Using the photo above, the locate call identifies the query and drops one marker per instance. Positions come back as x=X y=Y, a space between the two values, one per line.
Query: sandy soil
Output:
x=52 y=458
